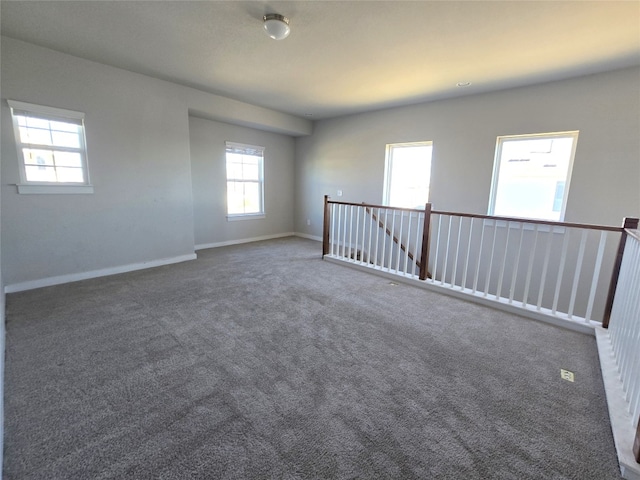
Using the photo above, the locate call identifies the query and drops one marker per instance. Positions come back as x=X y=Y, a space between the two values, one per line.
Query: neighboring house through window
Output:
x=245 y=181
x=407 y=174
x=531 y=175
x=51 y=149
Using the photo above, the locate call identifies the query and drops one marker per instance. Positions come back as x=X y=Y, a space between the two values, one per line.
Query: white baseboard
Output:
x=202 y=246
x=310 y=237
x=75 y=277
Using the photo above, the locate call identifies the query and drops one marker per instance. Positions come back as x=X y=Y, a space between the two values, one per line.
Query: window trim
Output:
x=388 y=160
x=232 y=217
x=57 y=114
x=496 y=168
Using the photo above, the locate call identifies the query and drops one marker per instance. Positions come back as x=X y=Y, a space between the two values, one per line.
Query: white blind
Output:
x=45 y=113
x=243 y=149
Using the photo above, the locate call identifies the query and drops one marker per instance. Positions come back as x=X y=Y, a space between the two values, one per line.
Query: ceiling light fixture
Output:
x=463 y=84
x=276 y=26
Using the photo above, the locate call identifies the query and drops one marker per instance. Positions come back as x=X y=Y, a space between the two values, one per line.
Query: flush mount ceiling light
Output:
x=276 y=26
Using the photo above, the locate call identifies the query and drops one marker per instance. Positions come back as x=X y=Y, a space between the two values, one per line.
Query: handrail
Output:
x=373 y=205
x=500 y=280
x=587 y=226
x=551 y=223
x=514 y=273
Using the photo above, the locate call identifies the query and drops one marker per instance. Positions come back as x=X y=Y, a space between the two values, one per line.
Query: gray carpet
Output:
x=261 y=361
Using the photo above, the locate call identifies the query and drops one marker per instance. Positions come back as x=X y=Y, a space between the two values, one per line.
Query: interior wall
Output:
x=138 y=155
x=348 y=153
x=208 y=168
x=137 y=129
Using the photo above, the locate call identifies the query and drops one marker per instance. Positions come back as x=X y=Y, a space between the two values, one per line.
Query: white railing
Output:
x=619 y=350
x=555 y=269
x=382 y=238
x=579 y=275
x=624 y=326
x=541 y=269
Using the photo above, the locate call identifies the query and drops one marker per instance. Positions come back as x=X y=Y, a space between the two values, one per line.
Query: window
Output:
x=407 y=174
x=245 y=198
x=52 y=149
x=531 y=175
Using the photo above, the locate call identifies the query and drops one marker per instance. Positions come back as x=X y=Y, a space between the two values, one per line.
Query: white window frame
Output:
x=54 y=114
x=496 y=168
x=388 y=168
x=250 y=149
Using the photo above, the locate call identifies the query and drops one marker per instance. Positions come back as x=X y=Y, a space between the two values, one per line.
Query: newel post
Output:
x=636 y=444
x=424 y=254
x=631 y=224
x=325 y=228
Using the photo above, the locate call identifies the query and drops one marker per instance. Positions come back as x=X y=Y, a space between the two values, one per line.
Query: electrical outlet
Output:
x=339 y=193
x=566 y=375
x=308 y=221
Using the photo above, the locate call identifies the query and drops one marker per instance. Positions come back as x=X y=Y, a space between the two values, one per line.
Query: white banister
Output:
x=532 y=253
x=619 y=348
x=563 y=259
x=514 y=276
x=544 y=268
x=576 y=276
x=596 y=275
x=565 y=281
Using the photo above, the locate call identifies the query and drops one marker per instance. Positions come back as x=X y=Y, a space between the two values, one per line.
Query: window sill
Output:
x=40 y=189
x=251 y=216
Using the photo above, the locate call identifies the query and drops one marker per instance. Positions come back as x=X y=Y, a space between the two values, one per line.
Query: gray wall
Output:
x=138 y=154
x=209 y=182
x=138 y=142
x=348 y=153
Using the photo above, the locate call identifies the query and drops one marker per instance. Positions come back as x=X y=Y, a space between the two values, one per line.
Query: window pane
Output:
x=251 y=198
x=408 y=175
x=70 y=175
x=559 y=197
x=37 y=157
x=68 y=159
x=64 y=139
x=250 y=171
x=244 y=180
x=234 y=170
x=37 y=122
x=64 y=127
x=51 y=145
x=234 y=157
x=532 y=176
x=235 y=198
x=35 y=136
x=40 y=174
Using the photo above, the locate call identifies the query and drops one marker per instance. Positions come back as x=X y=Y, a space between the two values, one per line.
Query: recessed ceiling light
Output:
x=463 y=84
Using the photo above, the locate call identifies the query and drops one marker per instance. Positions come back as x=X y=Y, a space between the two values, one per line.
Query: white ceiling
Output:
x=341 y=56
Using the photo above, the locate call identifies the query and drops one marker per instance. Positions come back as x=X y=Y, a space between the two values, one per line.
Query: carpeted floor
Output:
x=261 y=361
